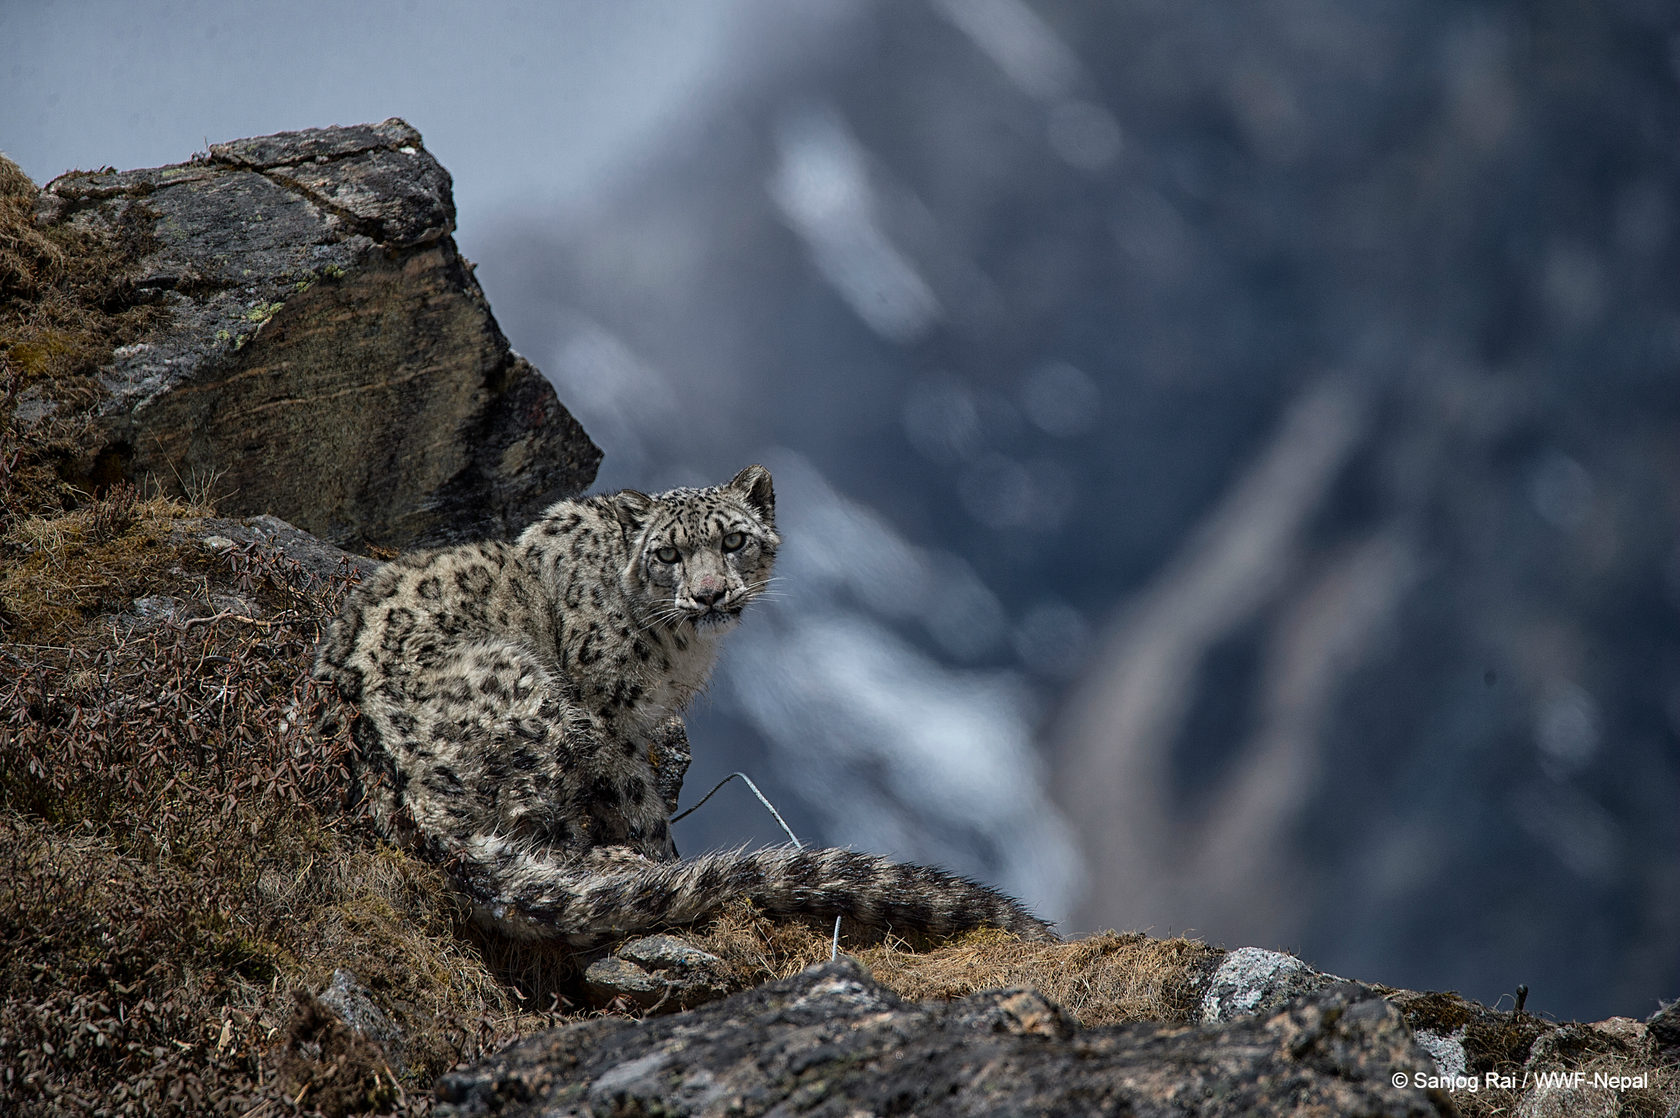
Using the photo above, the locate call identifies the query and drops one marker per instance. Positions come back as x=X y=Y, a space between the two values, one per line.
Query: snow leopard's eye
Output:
x=666 y=554
x=733 y=541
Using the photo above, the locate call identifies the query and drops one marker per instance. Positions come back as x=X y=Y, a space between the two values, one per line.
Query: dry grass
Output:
x=30 y=260
x=179 y=849
x=1658 y=1099
x=65 y=298
x=66 y=301
x=63 y=569
x=1103 y=979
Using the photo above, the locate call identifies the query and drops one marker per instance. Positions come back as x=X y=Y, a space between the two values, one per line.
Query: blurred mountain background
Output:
x=1229 y=454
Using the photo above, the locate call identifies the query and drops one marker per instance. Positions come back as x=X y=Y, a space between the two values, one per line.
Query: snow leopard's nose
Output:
x=709 y=590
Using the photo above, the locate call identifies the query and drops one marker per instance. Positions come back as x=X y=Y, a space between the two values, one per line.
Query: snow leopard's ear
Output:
x=631 y=507
x=753 y=484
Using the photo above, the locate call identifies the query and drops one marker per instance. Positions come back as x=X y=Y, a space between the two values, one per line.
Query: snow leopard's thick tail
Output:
x=532 y=897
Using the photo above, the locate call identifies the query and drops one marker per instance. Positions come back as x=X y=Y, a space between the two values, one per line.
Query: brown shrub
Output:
x=180 y=849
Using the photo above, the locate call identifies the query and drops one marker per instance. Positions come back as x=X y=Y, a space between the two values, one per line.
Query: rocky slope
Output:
x=192 y=916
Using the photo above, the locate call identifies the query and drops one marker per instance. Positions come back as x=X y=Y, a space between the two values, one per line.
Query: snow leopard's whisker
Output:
x=663 y=618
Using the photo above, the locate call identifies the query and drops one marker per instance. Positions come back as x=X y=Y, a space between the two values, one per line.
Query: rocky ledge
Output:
x=830 y=1040
x=1263 y=1034
x=314 y=292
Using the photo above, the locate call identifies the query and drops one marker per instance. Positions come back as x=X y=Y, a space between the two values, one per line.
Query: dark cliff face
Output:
x=325 y=353
x=1302 y=375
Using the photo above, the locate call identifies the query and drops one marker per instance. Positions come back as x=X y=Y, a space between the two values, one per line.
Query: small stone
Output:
x=316 y=557
x=1446 y=1049
x=612 y=978
x=658 y=972
x=1253 y=980
x=668 y=953
x=1622 y=1028
x=1663 y=1027
x=354 y=1005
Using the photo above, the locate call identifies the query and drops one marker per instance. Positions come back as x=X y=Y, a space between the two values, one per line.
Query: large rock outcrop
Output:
x=328 y=356
x=832 y=1041
x=1264 y=1033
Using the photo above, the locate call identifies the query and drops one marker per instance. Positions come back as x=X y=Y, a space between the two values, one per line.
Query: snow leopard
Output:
x=511 y=697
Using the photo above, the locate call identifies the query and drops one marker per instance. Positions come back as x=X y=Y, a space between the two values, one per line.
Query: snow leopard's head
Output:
x=699 y=556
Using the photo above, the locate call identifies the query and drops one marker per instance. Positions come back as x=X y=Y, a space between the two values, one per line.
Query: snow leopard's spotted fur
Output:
x=509 y=696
